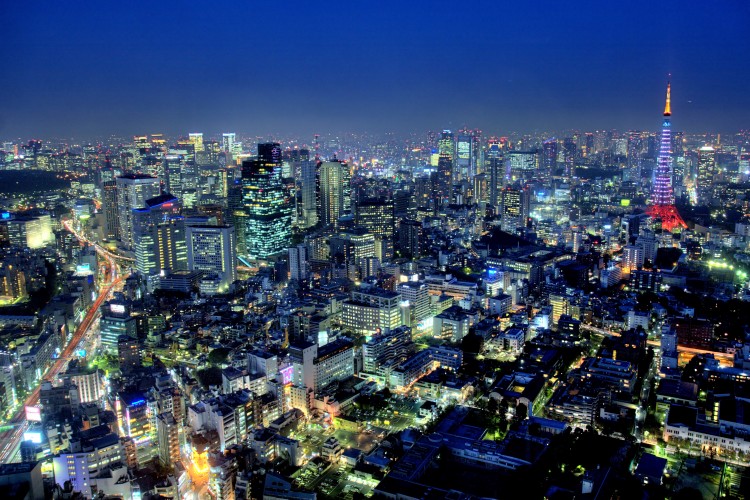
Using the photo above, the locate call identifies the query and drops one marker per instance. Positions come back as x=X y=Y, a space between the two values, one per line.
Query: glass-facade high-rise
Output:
x=267 y=203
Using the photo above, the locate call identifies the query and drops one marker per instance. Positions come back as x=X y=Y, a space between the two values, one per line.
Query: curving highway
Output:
x=10 y=439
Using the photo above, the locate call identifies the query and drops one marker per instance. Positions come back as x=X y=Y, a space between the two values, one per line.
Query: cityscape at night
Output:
x=404 y=251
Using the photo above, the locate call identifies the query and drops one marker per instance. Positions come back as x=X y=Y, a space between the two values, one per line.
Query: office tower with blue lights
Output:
x=267 y=204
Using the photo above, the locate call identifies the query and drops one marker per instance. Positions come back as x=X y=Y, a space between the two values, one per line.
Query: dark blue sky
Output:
x=92 y=68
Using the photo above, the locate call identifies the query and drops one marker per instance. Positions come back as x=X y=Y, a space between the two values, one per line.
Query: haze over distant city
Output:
x=73 y=69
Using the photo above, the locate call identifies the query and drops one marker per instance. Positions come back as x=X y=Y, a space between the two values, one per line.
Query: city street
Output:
x=12 y=438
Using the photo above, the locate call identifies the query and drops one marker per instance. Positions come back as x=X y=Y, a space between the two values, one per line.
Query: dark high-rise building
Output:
x=569 y=155
x=111 y=214
x=589 y=143
x=410 y=238
x=497 y=170
x=236 y=215
x=422 y=192
x=549 y=158
x=270 y=153
x=128 y=354
x=267 y=204
x=443 y=180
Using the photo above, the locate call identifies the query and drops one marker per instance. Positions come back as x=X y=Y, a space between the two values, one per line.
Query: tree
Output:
x=522 y=411
x=492 y=406
x=219 y=356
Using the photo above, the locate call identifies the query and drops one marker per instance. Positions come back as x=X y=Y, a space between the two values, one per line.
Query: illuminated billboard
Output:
x=33 y=436
x=117 y=308
x=33 y=414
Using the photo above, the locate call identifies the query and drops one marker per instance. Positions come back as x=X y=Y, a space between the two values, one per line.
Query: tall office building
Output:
x=417 y=298
x=514 y=208
x=465 y=157
x=116 y=321
x=371 y=310
x=410 y=238
x=29 y=231
x=196 y=139
x=706 y=172
x=309 y=185
x=231 y=147
x=167 y=431
x=298 y=267
x=236 y=215
x=267 y=204
x=227 y=141
x=132 y=192
x=522 y=164
x=569 y=155
x=159 y=238
x=111 y=214
x=549 y=158
x=331 y=193
x=128 y=354
x=377 y=216
x=443 y=181
x=350 y=249
x=447 y=144
x=173 y=167
x=635 y=144
x=211 y=249
x=393 y=347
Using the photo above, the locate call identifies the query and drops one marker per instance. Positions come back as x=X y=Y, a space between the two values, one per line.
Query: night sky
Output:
x=80 y=69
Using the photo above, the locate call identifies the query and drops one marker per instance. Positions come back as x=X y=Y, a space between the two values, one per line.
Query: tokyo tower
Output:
x=662 y=196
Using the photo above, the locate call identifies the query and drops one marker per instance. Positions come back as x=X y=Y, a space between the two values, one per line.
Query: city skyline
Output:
x=78 y=72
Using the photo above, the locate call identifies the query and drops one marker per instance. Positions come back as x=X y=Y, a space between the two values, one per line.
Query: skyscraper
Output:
x=662 y=196
x=330 y=191
x=464 y=159
x=308 y=179
x=211 y=249
x=236 y=215
x=410 y=234
x=196 y=139
x=443 y=180
x=159 y=238
x=298 y=263
x=514 y=208
x=569 y=155
x=706 y=172
x=132 y=192
x=267 y=204
x=111 y=214
x=549 y=158
x=377 y=216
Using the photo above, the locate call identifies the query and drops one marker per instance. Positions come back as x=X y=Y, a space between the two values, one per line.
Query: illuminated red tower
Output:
x=662 y=196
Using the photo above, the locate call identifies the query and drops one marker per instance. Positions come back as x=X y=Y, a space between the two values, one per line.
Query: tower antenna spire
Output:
x=668 y=105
